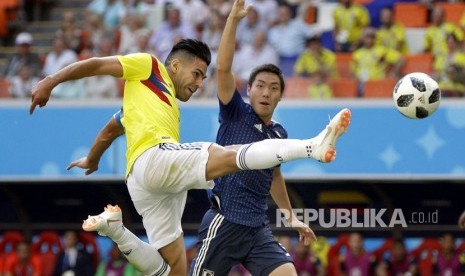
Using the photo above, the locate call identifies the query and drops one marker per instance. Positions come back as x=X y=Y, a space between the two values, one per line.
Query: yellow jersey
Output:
x=372 y=64
x=151 y=112
x=392 y=37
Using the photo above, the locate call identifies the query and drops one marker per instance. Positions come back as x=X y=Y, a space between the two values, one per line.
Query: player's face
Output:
x=265 y=94
x=188 y=77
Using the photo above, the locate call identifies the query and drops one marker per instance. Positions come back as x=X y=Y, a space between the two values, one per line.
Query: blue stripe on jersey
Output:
x=243 y=195
x=118 y=115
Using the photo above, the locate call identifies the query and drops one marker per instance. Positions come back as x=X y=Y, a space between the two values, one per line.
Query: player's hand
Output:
x=462 y=220
x=239 y=10
x=305 y=232
x=40 y=94
x=85 y=164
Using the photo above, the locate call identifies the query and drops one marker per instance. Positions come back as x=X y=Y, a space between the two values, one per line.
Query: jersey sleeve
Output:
x=234 y=110
x=136 y=66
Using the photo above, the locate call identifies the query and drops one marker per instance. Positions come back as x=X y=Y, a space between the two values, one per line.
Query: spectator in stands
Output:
x=435 y=36
x=320 y=87
x=152 y=12
x=391 y=34
x=110 y=10
x=21 y=84
x=247 y=27
x=211 y=35
x=305 y=262
x=195 y=13
x=319 y=64
x=117 y=265
x=399 y=262
x=212 y=31
x=452 y=55
x=23 y=56
x=170 y=31
x=70 y=32
x=288 y=38
x=251 y=56
x=268 y=11
x=58 y=58
x=142 y=43
x=106 y=47
x=23 y=263
x=447 y=261
x=356 y=261
x=452 y=84
x=128 y=33
x=375 y=62
x=316 y=60
x=349 y=22
x=73 y=259
x=92 y=31
x=102 y=86
x=223 y=6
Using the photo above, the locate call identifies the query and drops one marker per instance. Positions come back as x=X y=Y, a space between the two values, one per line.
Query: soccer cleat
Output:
x=107 y=223
x=323 y=145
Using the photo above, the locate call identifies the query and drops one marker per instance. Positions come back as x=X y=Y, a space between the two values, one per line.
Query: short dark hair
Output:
x=191 y=47
x=271 y=68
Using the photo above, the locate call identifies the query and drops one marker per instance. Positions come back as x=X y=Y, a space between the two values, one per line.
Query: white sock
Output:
x=272 y=152
x=143 y=256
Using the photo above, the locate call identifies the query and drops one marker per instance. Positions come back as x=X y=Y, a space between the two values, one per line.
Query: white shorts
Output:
x=158 y=185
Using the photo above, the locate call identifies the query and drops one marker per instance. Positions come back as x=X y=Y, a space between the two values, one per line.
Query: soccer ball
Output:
x=417 y=95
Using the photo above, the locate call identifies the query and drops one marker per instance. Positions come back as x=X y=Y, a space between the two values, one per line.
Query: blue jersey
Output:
x=243 y=195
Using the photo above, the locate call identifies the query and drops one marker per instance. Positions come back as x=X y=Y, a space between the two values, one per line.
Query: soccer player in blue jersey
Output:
x=235 y=230
x=160 y=170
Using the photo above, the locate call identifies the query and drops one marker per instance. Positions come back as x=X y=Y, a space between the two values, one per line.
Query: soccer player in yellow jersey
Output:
x=160 y=170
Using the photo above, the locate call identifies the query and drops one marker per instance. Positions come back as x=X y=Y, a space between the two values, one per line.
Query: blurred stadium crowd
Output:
x=81 y=253
x=363 y=54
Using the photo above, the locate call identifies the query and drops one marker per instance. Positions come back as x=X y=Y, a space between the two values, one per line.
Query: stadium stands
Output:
x=411 y=15
x=379 y=88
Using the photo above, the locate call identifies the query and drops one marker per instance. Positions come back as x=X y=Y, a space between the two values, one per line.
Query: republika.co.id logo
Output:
x=356 y=217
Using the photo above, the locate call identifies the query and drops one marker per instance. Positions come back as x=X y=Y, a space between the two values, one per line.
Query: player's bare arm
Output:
x=281 y=198
x=78 y=70
x=226 y=84
x=104 y=139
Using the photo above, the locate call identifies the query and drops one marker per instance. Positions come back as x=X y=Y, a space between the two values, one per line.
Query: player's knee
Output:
x=221 y=161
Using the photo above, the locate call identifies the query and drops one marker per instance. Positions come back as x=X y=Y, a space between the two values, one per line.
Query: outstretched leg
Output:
x=143 y=256
x=272 y=152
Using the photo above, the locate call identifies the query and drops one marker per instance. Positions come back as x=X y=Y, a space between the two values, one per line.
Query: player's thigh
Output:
x=161 y=213
x=267 y=255
x=221 y=161
x=172 y=168
x=286 y=269
x=221 y=245
x=175 y=255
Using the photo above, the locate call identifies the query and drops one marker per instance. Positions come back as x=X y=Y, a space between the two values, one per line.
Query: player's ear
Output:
x=174 y=66
x=248 y=90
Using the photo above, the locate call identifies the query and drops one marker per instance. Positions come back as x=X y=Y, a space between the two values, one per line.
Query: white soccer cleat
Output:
x=323 y=146
x=107 y=223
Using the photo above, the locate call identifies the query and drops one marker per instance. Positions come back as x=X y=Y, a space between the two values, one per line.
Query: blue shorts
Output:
x=223 y=244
